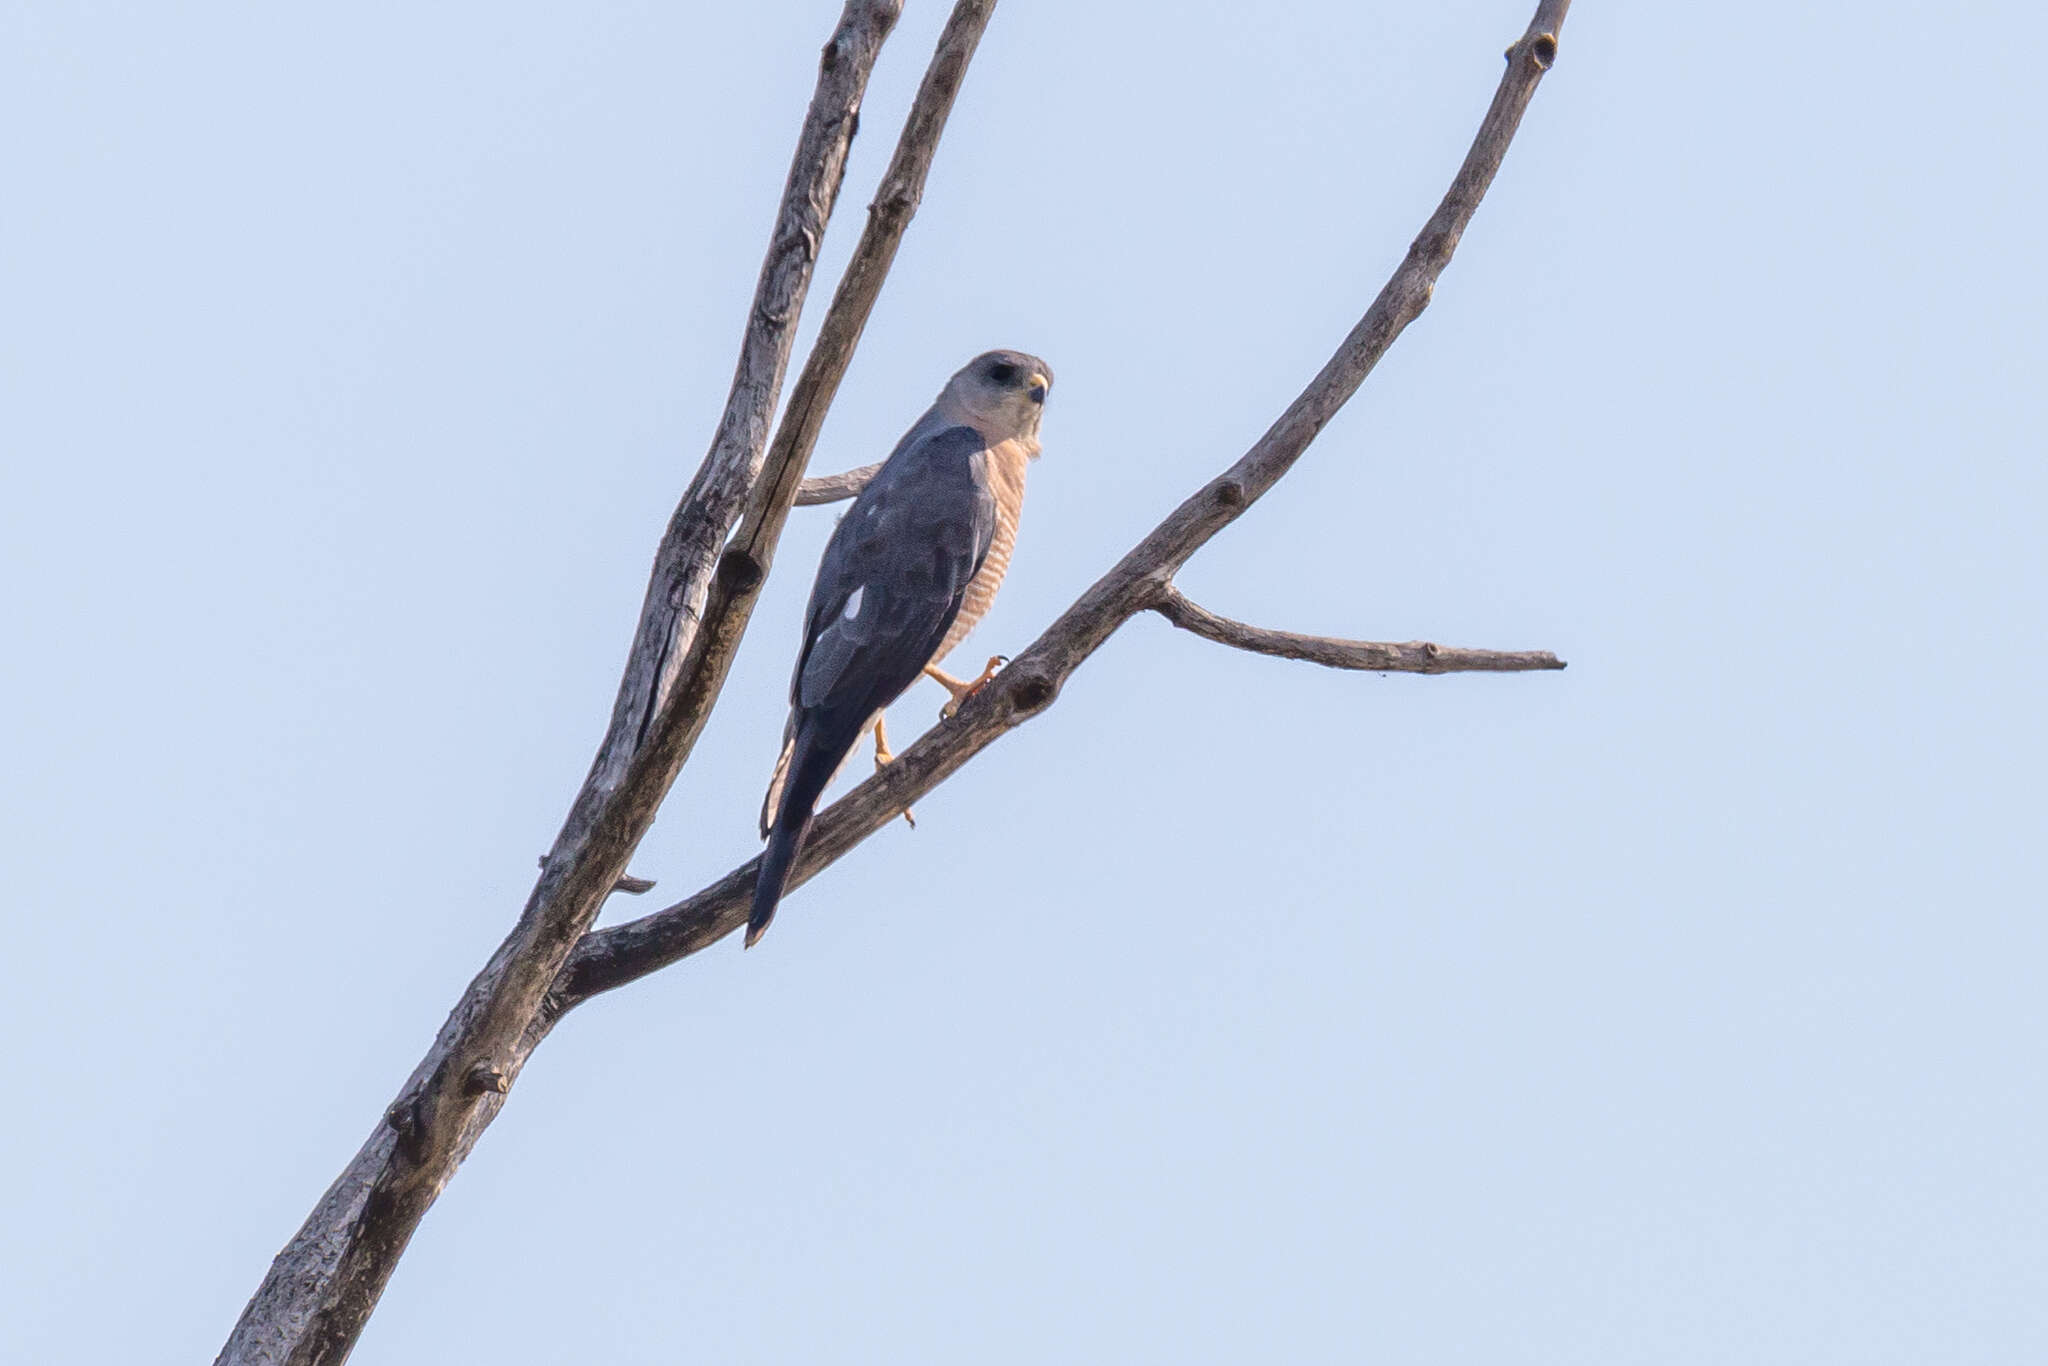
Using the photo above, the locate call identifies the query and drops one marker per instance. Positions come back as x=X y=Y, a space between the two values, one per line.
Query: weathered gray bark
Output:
x=321 y=1288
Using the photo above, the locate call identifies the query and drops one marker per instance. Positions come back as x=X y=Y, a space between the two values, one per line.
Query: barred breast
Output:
x=1006 y=462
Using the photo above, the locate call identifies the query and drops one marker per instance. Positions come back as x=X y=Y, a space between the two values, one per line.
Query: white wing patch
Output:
x=853 y=603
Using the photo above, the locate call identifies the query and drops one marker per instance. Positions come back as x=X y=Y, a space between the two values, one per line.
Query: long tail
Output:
x=808 y=771
x=785 y=842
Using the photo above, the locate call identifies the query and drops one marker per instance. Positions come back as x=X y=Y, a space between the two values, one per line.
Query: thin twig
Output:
x=612 y=957
x=834 y=488
x=1408 y=657
x=627 y=883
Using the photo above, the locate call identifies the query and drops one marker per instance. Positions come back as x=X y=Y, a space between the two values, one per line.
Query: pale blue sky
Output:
x=1684 y=1007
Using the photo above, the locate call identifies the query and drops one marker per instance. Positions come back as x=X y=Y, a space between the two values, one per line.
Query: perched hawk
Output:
x=910 y=569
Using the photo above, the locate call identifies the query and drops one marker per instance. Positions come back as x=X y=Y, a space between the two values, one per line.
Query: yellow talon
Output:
x=963 y=690
x=884 y=755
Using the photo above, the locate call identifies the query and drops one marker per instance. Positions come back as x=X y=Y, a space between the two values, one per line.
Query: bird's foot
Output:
x=885 y=756
x=962 y=690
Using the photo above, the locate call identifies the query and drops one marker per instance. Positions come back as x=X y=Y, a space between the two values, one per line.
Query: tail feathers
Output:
x=801 y=777
x=785 y=842
x=772 y=802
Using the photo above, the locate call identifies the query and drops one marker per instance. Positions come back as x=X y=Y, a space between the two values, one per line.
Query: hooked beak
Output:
x=1038 y=387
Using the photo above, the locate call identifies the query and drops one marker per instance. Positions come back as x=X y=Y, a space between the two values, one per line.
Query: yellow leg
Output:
x=884 y=755
x=962 y=690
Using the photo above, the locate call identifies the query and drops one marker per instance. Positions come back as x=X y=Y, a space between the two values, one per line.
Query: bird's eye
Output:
x=1003 y=373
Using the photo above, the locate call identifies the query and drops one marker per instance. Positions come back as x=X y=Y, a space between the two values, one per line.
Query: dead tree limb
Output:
x=322 y=1287
x=1408 y=657
x=1142 y=580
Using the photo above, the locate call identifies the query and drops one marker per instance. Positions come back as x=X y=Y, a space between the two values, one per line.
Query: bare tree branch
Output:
x=834 y=488
x=321 y=1288
x=612 y=957
x=1411 y=657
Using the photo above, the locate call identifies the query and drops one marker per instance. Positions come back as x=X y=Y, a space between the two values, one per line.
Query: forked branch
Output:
x=322 y=1287
x=744 y=565
x=1142 y=580
x=324 y=1284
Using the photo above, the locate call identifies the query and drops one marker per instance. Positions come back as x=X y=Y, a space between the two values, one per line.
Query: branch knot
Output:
x=739 y=569
x=898 y=199
x=486 y=1079
x=1031 y=694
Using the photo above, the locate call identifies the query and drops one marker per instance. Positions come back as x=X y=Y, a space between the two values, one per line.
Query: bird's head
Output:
x=1001 y=394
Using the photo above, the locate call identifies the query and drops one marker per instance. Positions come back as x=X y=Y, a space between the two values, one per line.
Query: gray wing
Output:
x=894 y=574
